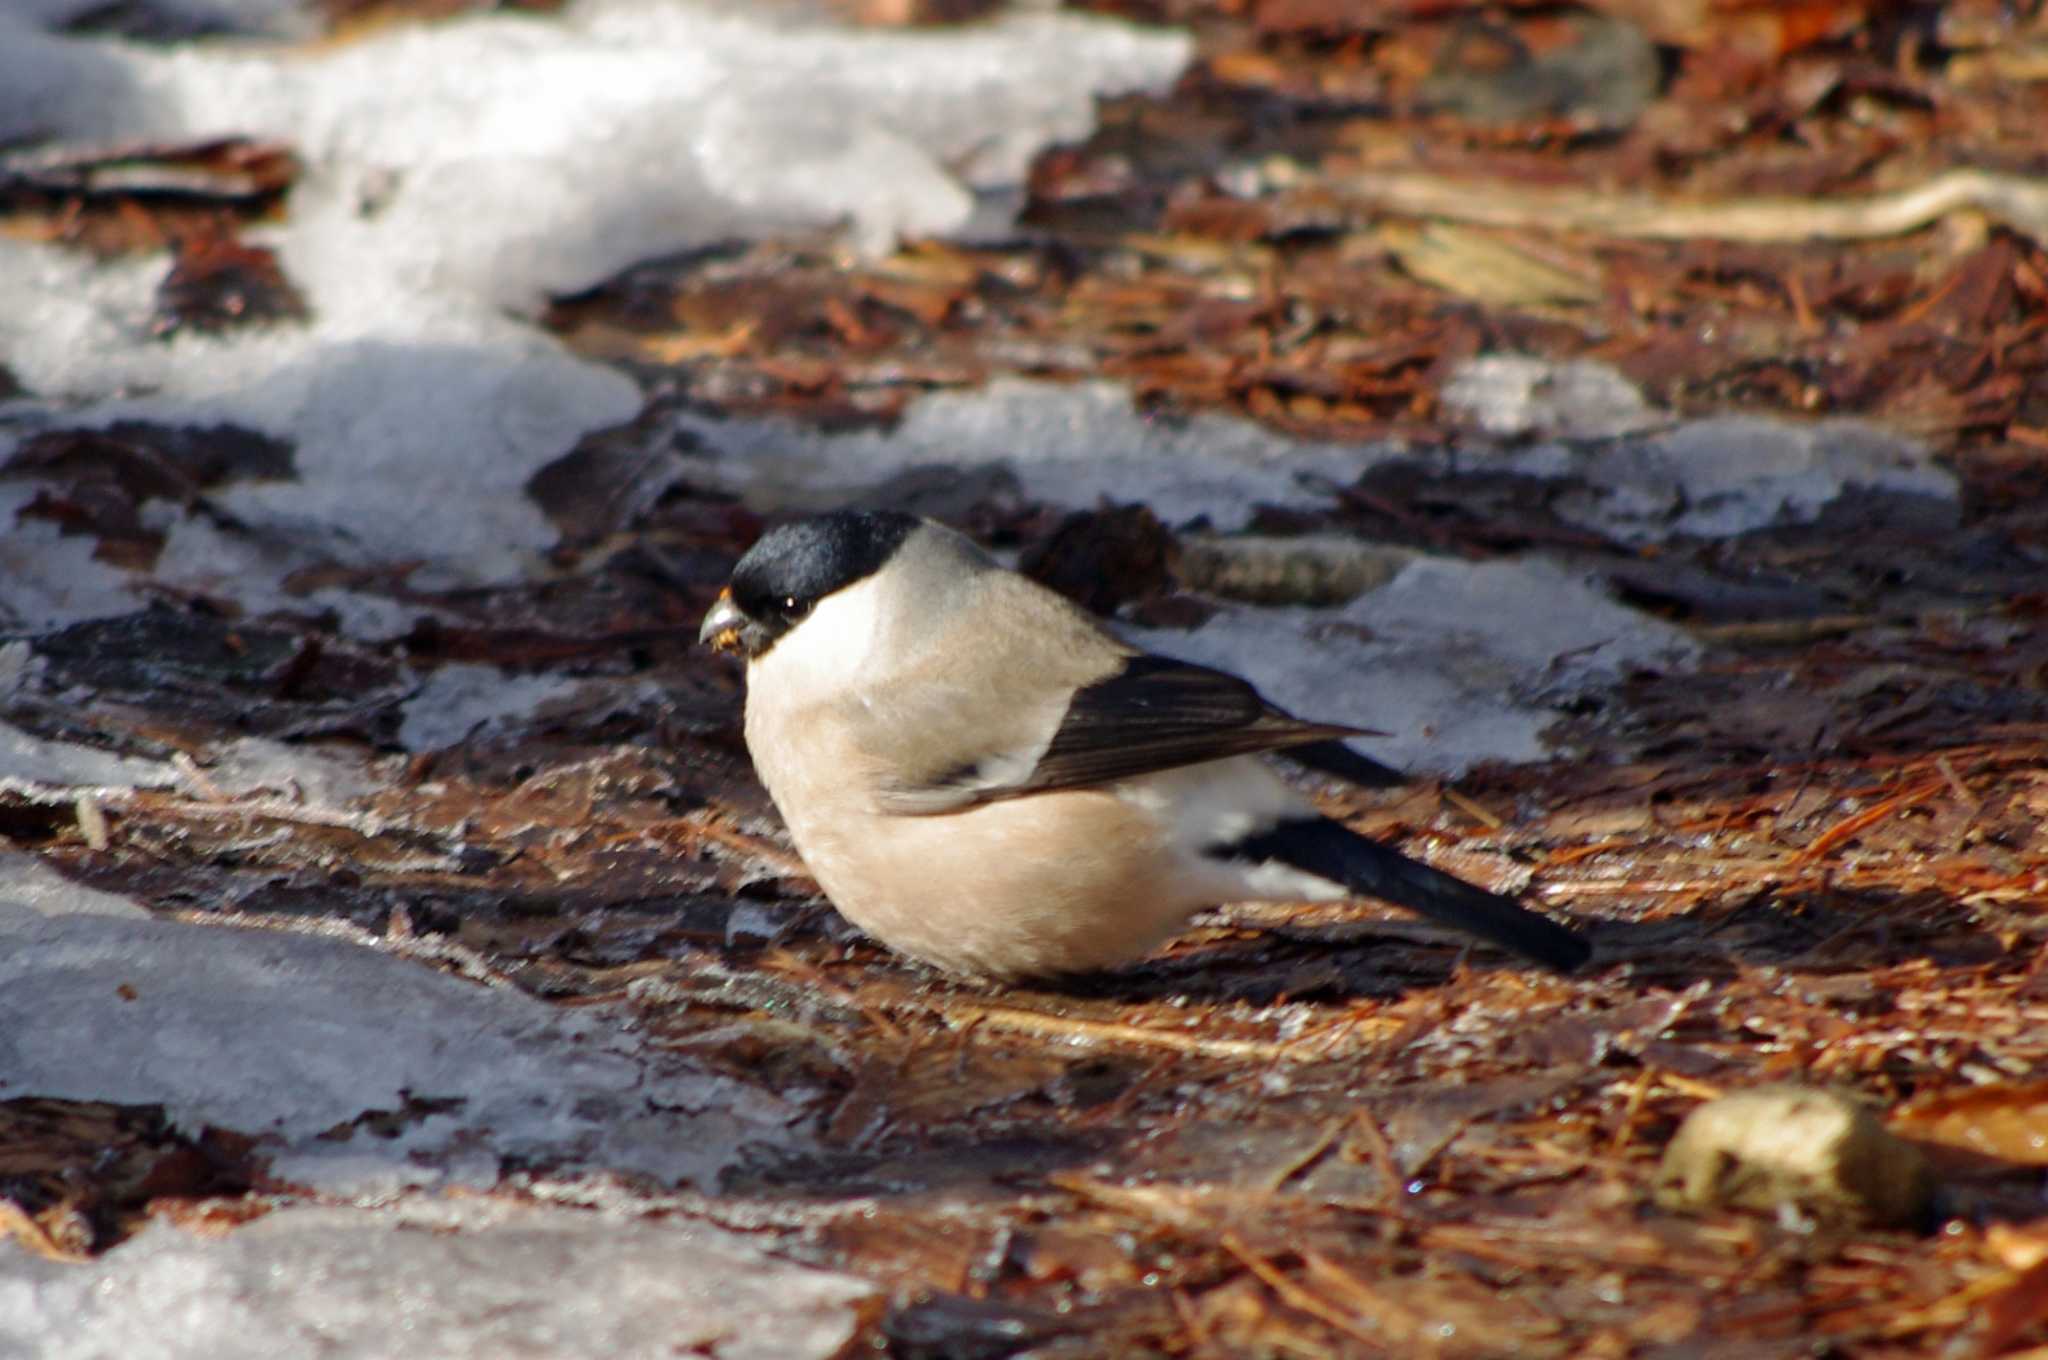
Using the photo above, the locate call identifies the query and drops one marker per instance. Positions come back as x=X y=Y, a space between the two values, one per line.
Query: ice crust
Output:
x=464 y=1281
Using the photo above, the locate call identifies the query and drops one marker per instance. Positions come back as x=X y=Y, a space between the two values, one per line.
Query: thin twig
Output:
x=1848 y=827
x=1070 y=1030
x=2016 y=201
x=1296 y=1296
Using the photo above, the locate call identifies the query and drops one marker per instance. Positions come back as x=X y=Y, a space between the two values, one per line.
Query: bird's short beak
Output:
x=722 y=625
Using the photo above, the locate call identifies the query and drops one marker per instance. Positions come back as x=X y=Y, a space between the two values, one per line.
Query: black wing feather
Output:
x=1159 y=714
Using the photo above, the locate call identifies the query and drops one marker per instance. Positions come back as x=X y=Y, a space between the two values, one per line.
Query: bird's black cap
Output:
x=793 y=566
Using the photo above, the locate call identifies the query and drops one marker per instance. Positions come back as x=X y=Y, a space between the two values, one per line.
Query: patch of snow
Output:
x=457 y=701
x=48 y=580
x=1644 y=477
x=38 y=765
x=1069 y=443
x=326 y=776
x=1514 y=395
x=472 y=1280
x=291 y=1035
x=27 y=882
x=1725 y=476
x=458 y=173
x=1457 y=662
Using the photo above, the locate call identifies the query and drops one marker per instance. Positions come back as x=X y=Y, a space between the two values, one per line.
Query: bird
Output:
x=981 y=776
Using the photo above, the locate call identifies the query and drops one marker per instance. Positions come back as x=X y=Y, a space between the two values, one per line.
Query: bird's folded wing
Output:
x=1152 y=714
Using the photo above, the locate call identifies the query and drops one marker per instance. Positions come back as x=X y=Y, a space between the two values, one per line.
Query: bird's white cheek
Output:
x=824 y=653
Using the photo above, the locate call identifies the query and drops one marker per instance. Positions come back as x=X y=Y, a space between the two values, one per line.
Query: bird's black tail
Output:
x=1327 y=850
